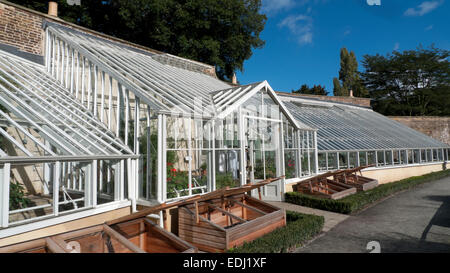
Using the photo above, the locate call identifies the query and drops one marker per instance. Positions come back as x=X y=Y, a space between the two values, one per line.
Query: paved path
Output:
x=331 y=218
x=417 y=220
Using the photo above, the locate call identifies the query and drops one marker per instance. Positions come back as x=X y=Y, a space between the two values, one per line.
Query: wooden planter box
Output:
x=326 y=189
x=138 y=236
x=97 y=239
x=361 y=183
x=45 y=245
x=350 y=177
x=152 y=238
x=225 y=223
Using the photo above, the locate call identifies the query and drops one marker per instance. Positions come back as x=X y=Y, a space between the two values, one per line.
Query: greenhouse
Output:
x=104 y=125
x=349 y=136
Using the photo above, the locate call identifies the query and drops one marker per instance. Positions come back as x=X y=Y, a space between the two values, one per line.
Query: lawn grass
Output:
x=299 y=229
x=356 y=202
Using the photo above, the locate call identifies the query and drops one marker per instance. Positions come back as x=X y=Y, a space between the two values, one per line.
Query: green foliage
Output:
x=17 y=199
x=226 y=180
x=220 y=33
x=315 y=90
x=337 y=88
x=358 y=201
x=318 y=203
x=349 y=77
x=299 y=229
x=409 y=83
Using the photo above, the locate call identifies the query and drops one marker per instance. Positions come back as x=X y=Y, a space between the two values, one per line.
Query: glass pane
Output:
x=322 y=161
x=177 y=174
x=353 y=159
x=416 y=156
x=227 y=169
x=271 y=109
x=371 y=158
x=270 y=164
x=389 y=157
x=312 y=161
x=105 y=181
x=178 y=132
x=403 y=159
x=410 y=157
x=226 y=132
x=343 y=160
x=380 y=155
x=290 y=162
x=332 y=161
x=423 y=155
x=362 y=159
x=305 y=163
x=396 y=157
x=200 y=171
x=148 y=147
x=253 y=106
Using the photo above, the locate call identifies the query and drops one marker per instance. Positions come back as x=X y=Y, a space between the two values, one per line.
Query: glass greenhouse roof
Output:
x=350 y=128
x=33 y=99
x=165 y=82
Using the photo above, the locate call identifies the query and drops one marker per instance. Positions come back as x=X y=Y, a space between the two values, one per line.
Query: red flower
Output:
x=173 y=170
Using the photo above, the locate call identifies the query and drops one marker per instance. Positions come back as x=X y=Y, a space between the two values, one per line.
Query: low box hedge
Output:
x=358 y=201
x=299 y=229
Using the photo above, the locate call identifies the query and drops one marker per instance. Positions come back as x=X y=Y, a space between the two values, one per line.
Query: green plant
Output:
x=319 y=203
x=360 y=200
x=17 y=199
x=299 y=229
x=226 y=180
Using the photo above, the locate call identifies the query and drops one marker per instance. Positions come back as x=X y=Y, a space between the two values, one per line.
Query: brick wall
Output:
x=435 y=127
x=365 y=102
x=21 y=29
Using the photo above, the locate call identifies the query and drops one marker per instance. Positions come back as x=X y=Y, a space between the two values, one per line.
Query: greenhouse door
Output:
x=263 y=155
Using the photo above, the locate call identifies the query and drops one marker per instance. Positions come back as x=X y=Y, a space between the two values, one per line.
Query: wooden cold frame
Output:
x=152 y=238
x=45 y=245
x=138 y=236
x=323 y=187
x=219 y=224
x=351 y=178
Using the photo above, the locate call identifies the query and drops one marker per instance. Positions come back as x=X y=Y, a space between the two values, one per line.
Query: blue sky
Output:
x=303 y=37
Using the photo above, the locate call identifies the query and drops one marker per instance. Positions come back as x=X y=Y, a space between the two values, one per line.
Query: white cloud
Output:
x=397 y=46
x=347 y=31
x=424 y=8
x=273 y=6
x=300 y=26
x=430 y=27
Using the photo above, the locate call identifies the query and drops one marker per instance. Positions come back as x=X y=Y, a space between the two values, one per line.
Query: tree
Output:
x=409 y=83
x=337 y=88
x=220 y=33
x=315 y=90
x=349 y=76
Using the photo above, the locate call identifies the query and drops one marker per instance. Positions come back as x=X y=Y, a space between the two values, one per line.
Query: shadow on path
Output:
x=441 y=217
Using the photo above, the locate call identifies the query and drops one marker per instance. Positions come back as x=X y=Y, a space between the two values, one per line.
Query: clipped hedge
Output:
x=358 y=201
x=299 y=229
x=306 y=200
